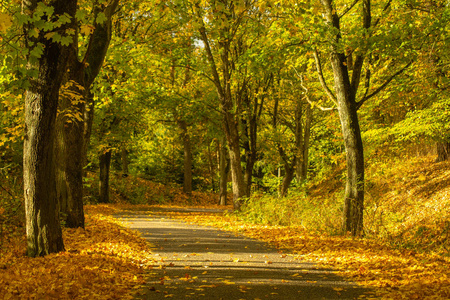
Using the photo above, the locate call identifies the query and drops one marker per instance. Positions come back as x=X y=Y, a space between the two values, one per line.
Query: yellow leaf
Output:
x=5 y=22
x=86 y=29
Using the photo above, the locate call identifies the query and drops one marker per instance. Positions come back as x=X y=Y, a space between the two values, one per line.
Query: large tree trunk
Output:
x=80 y=77
x=43 y=229
x=105 y=163
x=187 y=177
x=354 y=189
x=443 y=151
x=224 y=168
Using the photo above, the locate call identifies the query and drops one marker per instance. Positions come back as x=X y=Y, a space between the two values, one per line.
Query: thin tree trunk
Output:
x=43 y=229
x=347 y=107
x=124 y=159
x=229 y=118
x=87 y=127
x=250 y=128
x=211 y=169
x=187 y=177
x=287 y=179
x=105 y=163
x=224 y=168
x=250 y=151
x=237 y=177
x=289 y=164
x=302 y=163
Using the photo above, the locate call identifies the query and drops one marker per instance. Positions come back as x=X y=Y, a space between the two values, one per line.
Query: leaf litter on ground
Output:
x=103 y=261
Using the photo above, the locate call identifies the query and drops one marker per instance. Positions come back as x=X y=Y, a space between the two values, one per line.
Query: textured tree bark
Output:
x=88 y=120
x=43 y=229
x=354 y=189
x=105 y=163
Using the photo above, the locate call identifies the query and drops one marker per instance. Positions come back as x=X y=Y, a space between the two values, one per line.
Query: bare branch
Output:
x=312 y=103
x=348 y=8
x=381 y=87
x=322 y=79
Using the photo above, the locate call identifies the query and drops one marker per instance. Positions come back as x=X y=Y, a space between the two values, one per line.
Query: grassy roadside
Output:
x=105 y=261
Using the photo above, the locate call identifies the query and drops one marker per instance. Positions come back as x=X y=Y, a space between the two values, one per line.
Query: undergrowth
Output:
x=295 y=210
x=407 y=205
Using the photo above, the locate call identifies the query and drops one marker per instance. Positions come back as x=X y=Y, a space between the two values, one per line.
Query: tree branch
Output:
x=312 y=103
x=321 y=78
x=381 y=87
x=388 y=4
x=348 y=8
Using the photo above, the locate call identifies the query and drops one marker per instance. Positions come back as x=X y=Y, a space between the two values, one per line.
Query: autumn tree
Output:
x=347 y=64
x=49 y=30
x=75 y=108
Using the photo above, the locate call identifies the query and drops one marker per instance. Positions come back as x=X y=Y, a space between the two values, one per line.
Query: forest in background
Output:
x=282 y=104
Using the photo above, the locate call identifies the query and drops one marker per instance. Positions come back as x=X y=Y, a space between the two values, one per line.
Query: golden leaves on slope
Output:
x=104 y=261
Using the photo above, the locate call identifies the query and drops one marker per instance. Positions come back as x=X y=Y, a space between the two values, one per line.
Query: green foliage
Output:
x=432 y=123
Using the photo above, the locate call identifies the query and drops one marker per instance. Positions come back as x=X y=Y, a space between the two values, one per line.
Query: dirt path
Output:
x=206 y=263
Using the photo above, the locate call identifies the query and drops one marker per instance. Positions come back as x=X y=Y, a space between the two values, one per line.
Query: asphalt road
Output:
x=198 y=262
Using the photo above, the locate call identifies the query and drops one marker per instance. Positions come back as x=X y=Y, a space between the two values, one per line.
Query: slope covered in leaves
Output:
x=105 y=261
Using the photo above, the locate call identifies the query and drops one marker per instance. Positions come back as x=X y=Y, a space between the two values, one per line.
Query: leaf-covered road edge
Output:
x=104 y=261
x=393 y=274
